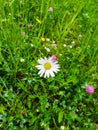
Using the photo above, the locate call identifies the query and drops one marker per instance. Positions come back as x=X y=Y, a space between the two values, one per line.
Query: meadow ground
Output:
x=30 y=30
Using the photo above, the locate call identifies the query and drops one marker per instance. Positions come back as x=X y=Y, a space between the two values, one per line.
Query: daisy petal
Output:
x=51 y=73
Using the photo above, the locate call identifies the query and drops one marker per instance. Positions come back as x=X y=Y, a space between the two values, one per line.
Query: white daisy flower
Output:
x=47 y=67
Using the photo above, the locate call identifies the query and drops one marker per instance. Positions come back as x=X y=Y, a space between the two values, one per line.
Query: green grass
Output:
x=31 y=102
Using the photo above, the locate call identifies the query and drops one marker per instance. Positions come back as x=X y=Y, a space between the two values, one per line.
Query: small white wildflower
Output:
x=60 y=54
x=73 y=42
x=47 y=49
x=70 y=46
x=62 y=127
x=64 y=45
x=22 y=60
x=53 y=42
x=80 y=35
x=37 y=110
x=32 y=45
x=47 y=39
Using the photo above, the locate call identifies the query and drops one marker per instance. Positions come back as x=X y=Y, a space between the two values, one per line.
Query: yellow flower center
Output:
x=47 y=66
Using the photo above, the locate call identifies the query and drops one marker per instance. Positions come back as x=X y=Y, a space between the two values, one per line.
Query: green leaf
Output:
x=60 y=116
x=29 y=104
x=11 y=118
x=32 y=120
x=2 y=109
